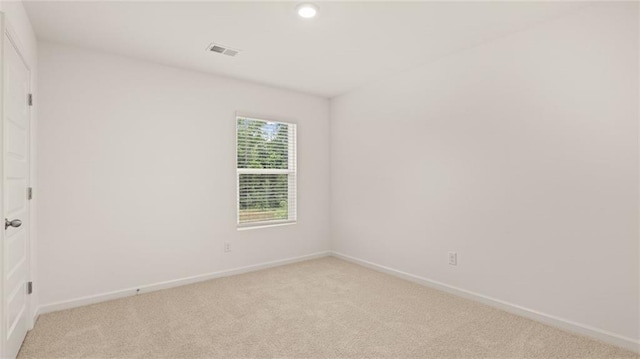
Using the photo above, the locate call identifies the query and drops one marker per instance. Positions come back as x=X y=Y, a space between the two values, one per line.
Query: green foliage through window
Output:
x=266 y=170
x=262 y=144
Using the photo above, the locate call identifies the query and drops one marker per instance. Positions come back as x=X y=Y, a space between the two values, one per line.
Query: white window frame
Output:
x=292 y=177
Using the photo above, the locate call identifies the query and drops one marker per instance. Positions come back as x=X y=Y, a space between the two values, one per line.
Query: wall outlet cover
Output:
x=453 y=258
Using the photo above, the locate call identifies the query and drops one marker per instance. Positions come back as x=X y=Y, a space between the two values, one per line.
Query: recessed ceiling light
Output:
x=307 y=10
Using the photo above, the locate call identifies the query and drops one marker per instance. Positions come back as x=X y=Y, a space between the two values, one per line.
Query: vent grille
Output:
x=230 y=52
x=222 y=49
x=218 y=49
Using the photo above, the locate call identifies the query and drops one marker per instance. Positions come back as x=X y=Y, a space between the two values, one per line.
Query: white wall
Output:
x=137 y=174
x=19 y=24
x=520 y=154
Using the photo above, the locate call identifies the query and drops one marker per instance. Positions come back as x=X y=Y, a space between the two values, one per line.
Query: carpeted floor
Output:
x=323 y=308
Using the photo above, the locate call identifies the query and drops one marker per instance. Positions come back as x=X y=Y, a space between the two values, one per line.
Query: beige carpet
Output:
x=324 y=308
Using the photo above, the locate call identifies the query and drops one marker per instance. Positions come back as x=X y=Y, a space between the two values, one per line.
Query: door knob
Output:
x=15 y=223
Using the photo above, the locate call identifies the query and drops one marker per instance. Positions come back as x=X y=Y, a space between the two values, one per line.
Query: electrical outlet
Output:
x=227 y=247
x=453 y=258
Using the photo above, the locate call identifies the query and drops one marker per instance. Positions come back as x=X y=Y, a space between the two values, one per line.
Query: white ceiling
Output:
x=348 y=45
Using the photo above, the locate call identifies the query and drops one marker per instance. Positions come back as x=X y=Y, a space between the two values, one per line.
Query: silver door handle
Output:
x=15 y=223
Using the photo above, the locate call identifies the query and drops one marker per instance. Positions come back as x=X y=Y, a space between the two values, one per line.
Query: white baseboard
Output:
x=98 y=298
x=595 y=333
x=582 y=329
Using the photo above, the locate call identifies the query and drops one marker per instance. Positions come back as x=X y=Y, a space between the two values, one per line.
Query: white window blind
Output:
x=266 y=171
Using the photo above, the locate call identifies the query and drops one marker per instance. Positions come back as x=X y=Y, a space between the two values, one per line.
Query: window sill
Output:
x=265 y=225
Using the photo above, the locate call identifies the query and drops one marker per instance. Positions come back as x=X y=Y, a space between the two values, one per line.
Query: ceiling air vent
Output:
x=221 y=49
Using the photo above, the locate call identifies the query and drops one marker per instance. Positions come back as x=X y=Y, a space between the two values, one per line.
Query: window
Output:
x=266 y=171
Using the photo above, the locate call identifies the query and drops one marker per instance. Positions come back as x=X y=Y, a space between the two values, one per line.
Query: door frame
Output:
x=10 y=38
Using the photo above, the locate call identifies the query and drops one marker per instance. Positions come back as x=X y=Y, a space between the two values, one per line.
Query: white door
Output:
x=16 y=210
